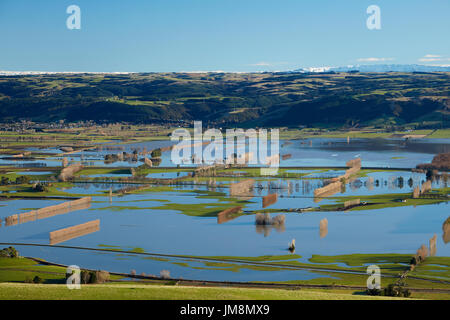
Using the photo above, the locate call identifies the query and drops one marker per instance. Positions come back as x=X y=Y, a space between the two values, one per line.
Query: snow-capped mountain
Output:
x=378 y=68
x=33 y=73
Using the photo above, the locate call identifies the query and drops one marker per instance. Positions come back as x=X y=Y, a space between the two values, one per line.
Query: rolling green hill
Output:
x=258 y=99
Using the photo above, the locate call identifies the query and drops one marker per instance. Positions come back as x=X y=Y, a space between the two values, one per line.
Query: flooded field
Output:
x=319 y=152
x=172 y=218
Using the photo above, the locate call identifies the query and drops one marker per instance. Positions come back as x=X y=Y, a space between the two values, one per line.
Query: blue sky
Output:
x=228 y=35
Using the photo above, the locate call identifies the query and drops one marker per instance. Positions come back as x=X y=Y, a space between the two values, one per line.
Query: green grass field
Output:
x=158 y=292
x=15 y=272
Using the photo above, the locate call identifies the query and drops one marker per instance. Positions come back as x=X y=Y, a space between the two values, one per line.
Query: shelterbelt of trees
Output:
x=256 y=99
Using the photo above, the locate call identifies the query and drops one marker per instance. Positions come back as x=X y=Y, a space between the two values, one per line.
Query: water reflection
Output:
x=430 y=146
x=446 y=231
x=433 y=246
x=243 y=189
x=50 y=211
x=323 y=228
x=374 y=183
x=74 y=232
x=375 y=152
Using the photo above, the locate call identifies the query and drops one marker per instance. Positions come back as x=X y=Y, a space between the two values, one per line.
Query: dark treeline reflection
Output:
x=416 y=146
x=306 y=187
x=101 y=185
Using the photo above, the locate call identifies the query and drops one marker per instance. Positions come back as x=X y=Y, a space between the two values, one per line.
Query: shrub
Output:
x=374 y=292
x=101 y=276
x=93 y=277
x=156 y=153
x=9 y=252
x=406 y=293
x=165 y=274
x=39 y=187
x=279 y=219
x=90 y=277
x=22 y=180
x=13 y=252
x=4 y=181
x=265 y=219
x=421 y=254
x=396 y=290
x=156 y=161
x=85 y=277
x=38 y=279
x=262 y=219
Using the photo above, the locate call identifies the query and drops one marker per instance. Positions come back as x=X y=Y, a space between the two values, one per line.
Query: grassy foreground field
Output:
x=17 y=273
x=16 y=291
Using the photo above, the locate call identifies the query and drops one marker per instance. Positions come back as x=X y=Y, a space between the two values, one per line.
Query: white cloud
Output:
x=261 y=64
x=374 y=59
x=267 y=64
x=429 y=59
x=433 y=58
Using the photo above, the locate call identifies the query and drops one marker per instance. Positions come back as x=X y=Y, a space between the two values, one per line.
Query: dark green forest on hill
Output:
x=256 y=99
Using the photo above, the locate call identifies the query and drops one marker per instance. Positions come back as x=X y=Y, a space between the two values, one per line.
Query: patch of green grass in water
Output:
x=381 y=201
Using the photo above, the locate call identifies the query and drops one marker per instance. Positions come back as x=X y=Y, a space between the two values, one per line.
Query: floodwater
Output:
x=167 y=222
x=318 y=152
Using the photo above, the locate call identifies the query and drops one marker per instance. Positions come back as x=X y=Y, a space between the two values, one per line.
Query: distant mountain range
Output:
x=37 y=73
x=377 y=68
x=360 y=68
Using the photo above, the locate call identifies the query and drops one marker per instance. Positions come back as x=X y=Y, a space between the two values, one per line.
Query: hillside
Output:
x=258 y=99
